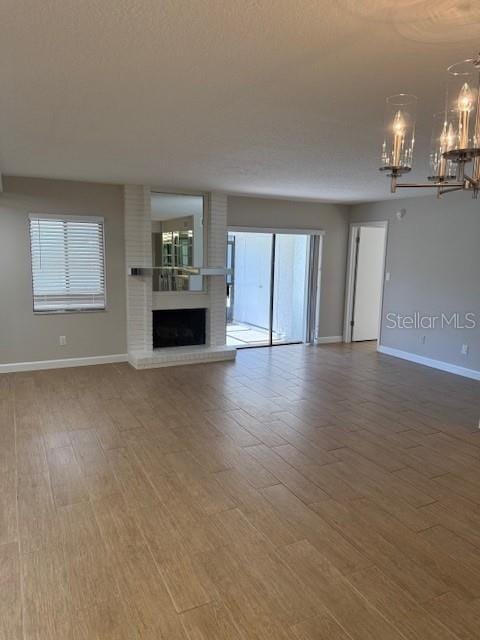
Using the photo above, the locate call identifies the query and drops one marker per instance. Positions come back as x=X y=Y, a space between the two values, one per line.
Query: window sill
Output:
x=49 y=312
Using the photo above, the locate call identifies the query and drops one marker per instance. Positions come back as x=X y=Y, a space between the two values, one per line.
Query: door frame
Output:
x=231 y=276
x=314 y=315
x=351 y=272
x=277 y=230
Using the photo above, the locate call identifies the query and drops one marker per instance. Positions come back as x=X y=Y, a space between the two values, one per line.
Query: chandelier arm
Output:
x=472 y=181
x=449 y=189
x=429 y=185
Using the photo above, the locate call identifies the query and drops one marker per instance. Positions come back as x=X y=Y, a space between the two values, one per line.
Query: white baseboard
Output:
x=328 y=339
x=62 y=363
x=429 y=362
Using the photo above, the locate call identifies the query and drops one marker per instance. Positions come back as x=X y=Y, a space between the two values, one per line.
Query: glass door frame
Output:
x=313 y=289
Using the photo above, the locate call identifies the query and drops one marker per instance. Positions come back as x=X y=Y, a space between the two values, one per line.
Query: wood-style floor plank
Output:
x=10 y=593
x=211 y=622
x=399 y=607
x=353 y=612
x=8 y=507
x=295 y=494
x=321 y=627
x=46 y=602
x=37 y=516
x=342 y=553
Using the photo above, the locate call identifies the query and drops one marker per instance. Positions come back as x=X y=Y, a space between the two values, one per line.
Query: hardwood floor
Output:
x=300 y=493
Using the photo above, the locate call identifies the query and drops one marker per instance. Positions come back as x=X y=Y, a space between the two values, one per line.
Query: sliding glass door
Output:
x=269 y=289
x=249 y=289
x=290 y=294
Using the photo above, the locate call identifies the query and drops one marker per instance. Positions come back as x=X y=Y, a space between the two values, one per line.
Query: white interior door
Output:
x=368 y=283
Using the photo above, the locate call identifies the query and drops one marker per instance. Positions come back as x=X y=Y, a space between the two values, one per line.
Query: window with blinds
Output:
x=68 y=263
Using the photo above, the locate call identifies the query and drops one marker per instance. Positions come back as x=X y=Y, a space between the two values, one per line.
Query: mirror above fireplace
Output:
x=178 y=239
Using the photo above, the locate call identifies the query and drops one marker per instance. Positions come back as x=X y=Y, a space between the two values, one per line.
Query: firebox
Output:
x=178 y=327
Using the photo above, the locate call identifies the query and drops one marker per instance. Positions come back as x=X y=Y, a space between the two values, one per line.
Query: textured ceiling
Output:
x=267 y=97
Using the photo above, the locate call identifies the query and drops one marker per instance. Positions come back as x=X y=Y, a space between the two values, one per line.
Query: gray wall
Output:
x=26 y=337
x=434 y=260
x=432 y=255
x=295 y=214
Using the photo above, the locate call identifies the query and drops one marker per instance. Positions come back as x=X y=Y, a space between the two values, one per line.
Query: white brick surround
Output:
x=217 y=248
x=138 y=252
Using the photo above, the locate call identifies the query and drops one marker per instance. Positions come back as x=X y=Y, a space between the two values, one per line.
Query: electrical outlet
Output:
x=464 y=350
x=62 y=341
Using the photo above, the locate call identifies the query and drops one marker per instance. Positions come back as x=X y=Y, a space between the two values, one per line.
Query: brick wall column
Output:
x=138 y=252
x=217 y=248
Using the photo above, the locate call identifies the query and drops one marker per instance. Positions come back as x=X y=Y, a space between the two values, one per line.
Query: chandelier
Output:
x=455 y=142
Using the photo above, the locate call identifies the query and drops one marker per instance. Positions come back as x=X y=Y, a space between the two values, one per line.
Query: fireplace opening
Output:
x=178 y=327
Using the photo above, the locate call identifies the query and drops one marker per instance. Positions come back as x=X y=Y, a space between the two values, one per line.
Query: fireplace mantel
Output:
x=189 y=271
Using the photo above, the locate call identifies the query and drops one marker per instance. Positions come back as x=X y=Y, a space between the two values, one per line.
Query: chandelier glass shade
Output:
x=455 y=141
x=462 y=102
x=397 y=148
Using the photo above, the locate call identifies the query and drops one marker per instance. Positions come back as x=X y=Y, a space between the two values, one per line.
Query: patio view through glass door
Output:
x=268 y=288
x=249 y=289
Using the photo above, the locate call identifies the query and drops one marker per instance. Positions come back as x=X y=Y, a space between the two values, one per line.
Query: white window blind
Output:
x=68 y=263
